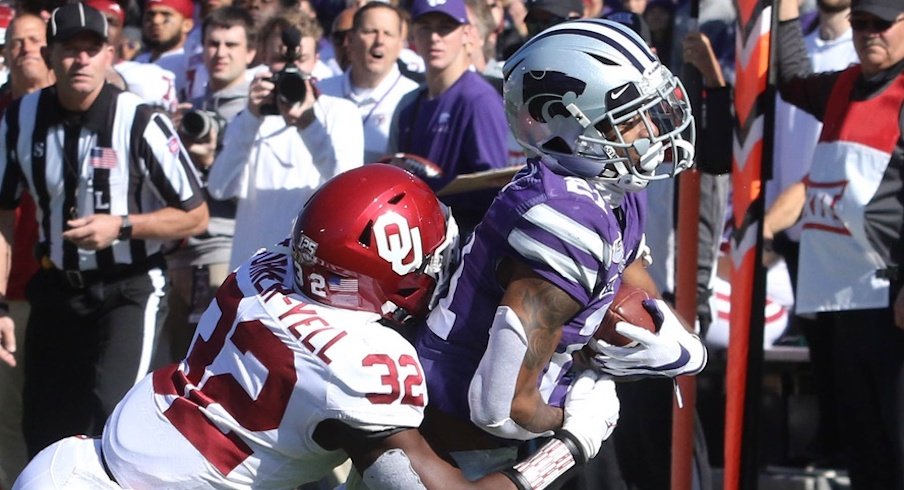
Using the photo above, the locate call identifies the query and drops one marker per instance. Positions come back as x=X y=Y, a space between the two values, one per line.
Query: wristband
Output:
x=125 y=229
x=545 y=466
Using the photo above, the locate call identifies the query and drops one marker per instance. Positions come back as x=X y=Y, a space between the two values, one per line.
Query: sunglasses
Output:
x=872 y=24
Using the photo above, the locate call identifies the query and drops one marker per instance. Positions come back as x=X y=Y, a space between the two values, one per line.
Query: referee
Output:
x=112 y=183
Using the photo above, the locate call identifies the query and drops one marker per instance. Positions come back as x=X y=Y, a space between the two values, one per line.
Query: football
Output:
x=414 y=164
x=627 y=306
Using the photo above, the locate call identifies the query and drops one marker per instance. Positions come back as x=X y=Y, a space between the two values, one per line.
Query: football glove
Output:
x=673 y=351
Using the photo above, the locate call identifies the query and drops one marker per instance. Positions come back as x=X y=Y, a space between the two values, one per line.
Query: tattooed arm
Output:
x=525 y=332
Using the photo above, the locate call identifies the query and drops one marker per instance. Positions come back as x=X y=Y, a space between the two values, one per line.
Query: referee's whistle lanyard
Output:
x=73 y=159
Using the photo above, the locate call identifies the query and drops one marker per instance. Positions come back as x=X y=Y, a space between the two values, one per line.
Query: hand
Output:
x=698 y=51
x=93 y=232
x=176 y=116
x=299 y=114
x=591 y=411
x=7 y=339
x=673 y=351
x=203 y=152
x=260 y=92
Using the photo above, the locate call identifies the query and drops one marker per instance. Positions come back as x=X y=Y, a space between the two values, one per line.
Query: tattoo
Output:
x=544 y=308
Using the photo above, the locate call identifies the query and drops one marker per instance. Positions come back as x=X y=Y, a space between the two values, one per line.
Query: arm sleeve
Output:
x=797 y=84
x=228 y=175
x=335 y=135
x=10 y=190
x=486 y=146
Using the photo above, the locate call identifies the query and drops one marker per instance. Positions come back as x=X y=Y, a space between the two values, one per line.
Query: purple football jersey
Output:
x=562 y=228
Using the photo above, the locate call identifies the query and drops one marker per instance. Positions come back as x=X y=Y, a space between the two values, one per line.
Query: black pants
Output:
x=869 y=369
x=84 y=350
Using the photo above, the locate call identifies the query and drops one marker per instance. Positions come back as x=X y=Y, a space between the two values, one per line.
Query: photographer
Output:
x=200 y=264
x=289 y=141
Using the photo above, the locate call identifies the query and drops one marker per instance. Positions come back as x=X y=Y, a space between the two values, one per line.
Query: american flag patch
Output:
x=173 y=145
x=103 y=157
x=342 y=285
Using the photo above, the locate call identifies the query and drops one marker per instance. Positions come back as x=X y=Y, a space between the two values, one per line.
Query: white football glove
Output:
x=672 y=352
x=591 y=411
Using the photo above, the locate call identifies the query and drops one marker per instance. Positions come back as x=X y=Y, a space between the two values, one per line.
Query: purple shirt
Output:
x=568 y=234
x=464 y=131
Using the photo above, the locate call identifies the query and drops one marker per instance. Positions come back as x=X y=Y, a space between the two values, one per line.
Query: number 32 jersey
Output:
x=265 y=367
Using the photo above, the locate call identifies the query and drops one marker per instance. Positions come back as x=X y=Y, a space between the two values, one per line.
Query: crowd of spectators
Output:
x=272 y=98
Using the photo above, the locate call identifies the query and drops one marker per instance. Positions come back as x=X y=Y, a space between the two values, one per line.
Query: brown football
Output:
x=627 y=306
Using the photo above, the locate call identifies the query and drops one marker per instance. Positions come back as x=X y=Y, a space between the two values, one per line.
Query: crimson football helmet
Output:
x=375 y=239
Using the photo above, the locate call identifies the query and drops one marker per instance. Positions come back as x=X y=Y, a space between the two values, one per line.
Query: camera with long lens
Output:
x=290 y=82
x=197 y=124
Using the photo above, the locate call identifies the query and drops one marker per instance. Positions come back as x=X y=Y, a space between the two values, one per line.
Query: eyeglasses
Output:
x=872 y=24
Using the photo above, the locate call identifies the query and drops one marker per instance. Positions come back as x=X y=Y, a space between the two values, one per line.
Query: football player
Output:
x=299 y=364
x=600 y=118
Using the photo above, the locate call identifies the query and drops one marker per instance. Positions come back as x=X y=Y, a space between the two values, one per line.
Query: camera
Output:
x=197 y=124
x=290 y=82
x=291 y=87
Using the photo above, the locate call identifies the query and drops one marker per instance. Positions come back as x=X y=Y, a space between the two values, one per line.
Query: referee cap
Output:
x=75 y=18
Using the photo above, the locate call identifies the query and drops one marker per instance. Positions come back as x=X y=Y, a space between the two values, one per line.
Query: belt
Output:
x=78 y=279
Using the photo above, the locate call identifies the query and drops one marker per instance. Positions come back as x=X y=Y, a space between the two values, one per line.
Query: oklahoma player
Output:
x=299 y=363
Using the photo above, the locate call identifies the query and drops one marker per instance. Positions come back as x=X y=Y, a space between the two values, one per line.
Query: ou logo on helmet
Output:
x=396 y=241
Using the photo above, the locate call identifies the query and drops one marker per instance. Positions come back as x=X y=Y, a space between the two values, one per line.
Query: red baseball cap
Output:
x=108 y=7
x=186 y=8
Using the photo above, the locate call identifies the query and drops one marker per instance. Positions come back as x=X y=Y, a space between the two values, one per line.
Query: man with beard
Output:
x=373 y=80
x=154 y=84
x=166 y=25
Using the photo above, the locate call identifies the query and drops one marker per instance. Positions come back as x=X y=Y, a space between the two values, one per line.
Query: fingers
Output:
x=7 y=341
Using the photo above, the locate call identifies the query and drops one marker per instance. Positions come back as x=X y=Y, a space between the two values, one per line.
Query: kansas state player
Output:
x=293 y=369
x=599 y=114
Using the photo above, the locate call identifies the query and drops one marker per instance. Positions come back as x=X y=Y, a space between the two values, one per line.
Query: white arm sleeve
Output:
x=493 y=386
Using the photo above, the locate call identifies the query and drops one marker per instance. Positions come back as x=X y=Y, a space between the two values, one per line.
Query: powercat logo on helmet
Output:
x=547 y=93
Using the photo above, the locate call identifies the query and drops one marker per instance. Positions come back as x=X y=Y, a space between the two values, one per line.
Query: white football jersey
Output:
x=266 y=366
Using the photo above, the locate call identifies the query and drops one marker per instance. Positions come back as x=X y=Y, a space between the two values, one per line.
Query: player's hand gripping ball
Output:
x=627 y=306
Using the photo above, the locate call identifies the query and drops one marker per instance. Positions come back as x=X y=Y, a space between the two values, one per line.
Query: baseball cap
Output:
x=452 y=8
x=887 y=10
x=75 y=18
x=185 y=8
x=634 y=21
x=560 y=8
x=108 y=7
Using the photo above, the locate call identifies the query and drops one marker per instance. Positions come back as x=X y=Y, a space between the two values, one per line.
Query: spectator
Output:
x=201 y=263
x=483 y=49
x=543 y=14
x=23 y=40
x=660 y=17
x=153 y=84
x=456 y=119
x=166 y=25
x=542 y=267
x=850 y=247
x=101 y=271
x=323 y=365
x=342 y=26
x=262 y=11
x=274 y=162
x=373 y=81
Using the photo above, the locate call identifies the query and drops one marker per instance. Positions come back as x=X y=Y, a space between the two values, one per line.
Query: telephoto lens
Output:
x=196 y=124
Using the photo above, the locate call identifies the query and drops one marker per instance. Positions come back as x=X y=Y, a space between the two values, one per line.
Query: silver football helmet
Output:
x=572 y=91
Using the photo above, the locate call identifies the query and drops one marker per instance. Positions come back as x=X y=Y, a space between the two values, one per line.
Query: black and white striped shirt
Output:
x=119 y=157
